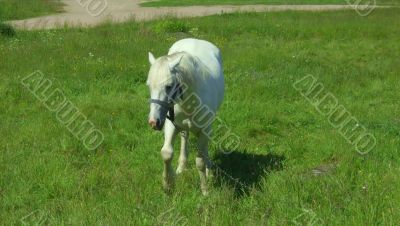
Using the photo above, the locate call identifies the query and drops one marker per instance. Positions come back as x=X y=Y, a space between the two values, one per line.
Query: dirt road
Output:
x=76 y=14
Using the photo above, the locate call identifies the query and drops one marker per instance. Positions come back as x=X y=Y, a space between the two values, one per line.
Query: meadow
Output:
x=293 y=167
x=21 y=9
x=269 y=2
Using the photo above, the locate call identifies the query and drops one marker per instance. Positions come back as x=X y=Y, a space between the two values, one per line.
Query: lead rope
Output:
x=171 y=115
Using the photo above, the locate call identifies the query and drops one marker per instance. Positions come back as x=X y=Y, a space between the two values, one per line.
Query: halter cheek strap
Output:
x=171 y=114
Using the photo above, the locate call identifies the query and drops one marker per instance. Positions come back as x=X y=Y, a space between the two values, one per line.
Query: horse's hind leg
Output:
x=184 y=152
x=167 y=155
x=202 y=162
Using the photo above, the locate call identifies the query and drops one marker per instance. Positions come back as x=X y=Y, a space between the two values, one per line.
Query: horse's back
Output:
x=207 y=52
x=208 y=68
x=209 y=55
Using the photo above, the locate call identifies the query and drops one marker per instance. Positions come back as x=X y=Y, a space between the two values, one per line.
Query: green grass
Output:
x=21 y=9
x=49 y=177
x=244 y=2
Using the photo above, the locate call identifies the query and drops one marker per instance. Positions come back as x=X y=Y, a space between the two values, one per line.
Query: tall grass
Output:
x=20 y=9
x=48 y=177
x=6 y=30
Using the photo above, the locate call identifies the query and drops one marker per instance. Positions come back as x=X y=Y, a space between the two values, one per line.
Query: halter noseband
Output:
x=170 y=103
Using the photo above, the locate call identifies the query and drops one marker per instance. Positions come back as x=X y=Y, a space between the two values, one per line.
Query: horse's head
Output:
x=164 y=87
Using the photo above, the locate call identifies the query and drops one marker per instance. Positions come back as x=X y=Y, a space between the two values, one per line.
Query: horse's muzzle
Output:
x=156 y=124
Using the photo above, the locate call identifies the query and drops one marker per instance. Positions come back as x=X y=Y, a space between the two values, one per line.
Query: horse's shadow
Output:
x=243 y=171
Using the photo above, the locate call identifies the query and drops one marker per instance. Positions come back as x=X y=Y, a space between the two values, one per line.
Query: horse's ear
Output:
x=175 y=62
x=152 y=59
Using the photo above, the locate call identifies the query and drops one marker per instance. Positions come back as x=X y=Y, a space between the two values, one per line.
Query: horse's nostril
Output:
x=155 y=123
x=152 y=122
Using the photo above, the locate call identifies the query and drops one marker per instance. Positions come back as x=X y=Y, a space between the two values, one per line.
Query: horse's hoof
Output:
x=209 y=173
x=168 y=188
x=168 y=192
x=169 y=182
x=180 y=170
x=204 y=192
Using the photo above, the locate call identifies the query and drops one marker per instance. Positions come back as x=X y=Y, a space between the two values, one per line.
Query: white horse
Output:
x=187 y=88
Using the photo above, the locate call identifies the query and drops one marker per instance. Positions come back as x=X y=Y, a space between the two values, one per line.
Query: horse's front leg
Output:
x=167 y=153
x=184 y=152
x=202 y=161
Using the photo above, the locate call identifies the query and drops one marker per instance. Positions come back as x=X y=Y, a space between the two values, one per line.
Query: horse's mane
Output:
x=190 y=70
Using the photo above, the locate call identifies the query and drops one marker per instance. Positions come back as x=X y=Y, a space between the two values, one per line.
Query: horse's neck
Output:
x=192 y=86
x=193 y=79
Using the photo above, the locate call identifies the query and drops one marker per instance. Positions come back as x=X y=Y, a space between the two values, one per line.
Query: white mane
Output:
x=190 y=71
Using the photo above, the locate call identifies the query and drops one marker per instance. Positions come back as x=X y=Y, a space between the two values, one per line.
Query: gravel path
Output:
x=122 y=10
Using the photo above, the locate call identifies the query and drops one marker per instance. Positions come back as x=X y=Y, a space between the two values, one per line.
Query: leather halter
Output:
x=170 y=103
